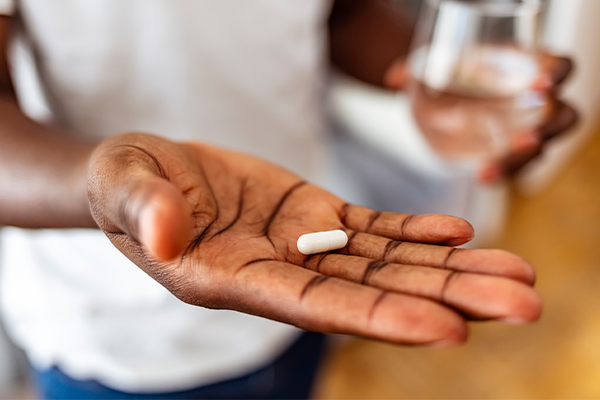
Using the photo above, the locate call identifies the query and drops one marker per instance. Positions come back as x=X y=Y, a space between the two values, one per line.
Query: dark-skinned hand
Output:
x=219 y=229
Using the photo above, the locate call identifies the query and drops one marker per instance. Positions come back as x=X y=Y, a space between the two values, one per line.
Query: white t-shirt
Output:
x=245 y=74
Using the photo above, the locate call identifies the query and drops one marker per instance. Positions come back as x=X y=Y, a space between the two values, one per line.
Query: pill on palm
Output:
x=319 y=242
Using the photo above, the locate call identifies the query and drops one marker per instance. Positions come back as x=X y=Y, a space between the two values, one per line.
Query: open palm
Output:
x=219 y=229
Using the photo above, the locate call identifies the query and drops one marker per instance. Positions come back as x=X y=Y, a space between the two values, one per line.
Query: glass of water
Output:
x=475 y=75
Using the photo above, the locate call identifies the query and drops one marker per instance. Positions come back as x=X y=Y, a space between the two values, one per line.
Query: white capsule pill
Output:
x=319 y=242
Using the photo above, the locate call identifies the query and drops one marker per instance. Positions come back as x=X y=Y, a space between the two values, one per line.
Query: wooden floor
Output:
x=558 y=357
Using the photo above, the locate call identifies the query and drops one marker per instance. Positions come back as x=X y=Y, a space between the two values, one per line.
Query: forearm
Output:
x=43 y=173
x=367 y=36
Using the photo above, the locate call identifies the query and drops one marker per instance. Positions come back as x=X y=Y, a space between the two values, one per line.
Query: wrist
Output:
x=79 y=188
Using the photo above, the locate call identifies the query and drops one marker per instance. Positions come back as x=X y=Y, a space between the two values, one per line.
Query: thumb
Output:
x=156 y=214
x=130 y=194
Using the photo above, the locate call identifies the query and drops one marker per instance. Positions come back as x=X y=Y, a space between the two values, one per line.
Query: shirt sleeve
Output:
x=6 y=7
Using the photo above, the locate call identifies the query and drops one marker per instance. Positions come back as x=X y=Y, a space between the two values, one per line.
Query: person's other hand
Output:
x=219 y=229
x=526 y=145
x=560 y=118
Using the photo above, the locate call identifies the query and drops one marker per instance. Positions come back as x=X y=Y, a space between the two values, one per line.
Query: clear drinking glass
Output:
x=474 y=70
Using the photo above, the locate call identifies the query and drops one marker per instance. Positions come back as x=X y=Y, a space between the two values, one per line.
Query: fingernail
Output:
x=145 y=225
x=445 y=343
x=459 y=241
x=491 y=174
x=544 y=81
x=513 y=320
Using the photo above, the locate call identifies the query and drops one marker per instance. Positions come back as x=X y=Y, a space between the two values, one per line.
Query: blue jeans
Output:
x=288 y=377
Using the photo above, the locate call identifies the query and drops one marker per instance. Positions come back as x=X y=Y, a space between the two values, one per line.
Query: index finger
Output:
x=555 y=70
x=426 y=228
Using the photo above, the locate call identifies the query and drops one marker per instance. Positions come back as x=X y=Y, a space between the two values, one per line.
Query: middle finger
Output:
x=482 y=261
